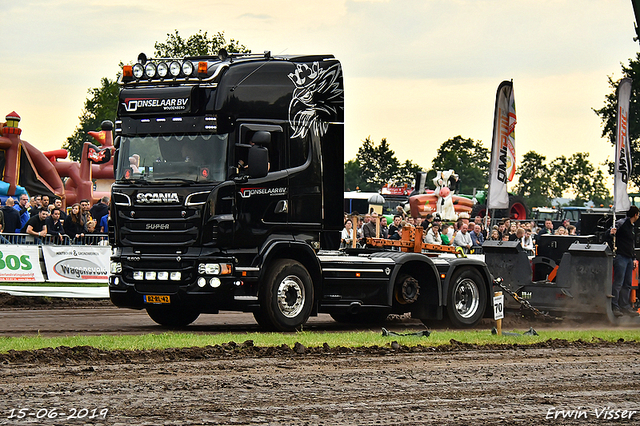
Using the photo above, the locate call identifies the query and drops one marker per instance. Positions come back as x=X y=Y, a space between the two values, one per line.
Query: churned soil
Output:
x=239 y=383
x=8 y=301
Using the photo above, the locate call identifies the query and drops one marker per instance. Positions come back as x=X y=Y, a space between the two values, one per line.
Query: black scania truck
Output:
x=229 y=196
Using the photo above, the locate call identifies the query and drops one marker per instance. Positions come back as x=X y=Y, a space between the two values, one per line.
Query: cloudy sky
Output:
x=417 y=72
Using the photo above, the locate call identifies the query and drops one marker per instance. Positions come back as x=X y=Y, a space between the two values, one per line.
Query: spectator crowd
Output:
x=464 y=233
x=41 y=217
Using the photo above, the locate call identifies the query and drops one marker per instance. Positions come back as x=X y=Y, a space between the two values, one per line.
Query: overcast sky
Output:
x=416 y=72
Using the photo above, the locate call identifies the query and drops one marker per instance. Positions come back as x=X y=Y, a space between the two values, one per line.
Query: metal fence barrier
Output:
x=26 y=239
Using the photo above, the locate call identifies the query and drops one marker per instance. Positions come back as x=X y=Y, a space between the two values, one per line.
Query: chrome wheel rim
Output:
x=467 y=298
x=291 y=296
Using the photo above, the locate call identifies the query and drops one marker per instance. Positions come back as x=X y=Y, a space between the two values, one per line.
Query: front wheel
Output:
x=172 y=316
x=286 y=296
x=467 y=297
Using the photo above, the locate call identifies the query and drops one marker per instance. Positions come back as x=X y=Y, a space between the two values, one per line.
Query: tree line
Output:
x=539 y=180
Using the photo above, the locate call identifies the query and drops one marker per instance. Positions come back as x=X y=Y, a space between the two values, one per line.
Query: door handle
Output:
x=282 y=207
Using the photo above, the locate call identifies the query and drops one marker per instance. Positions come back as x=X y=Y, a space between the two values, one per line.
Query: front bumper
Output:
x=179 y=278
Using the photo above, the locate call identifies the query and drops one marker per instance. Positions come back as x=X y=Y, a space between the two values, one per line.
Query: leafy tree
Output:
x=352 y=177
x=199 y=44
x=407 y=172
x=608 y=115
x=577 y=176
x=102 y=102
x=533 y=179
x=468 y=158
x=99 y=106
x=378 y=164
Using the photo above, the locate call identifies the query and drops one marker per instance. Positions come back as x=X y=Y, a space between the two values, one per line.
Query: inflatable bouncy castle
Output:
x=25 y=169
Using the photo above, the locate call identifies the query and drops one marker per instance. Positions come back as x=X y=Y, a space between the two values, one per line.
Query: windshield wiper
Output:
x=174 y=179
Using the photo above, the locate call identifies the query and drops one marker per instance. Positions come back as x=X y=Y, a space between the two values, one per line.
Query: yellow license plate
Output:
x=153 y=298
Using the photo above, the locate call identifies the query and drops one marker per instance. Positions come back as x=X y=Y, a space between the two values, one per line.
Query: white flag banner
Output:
x=502 y=167
x=623 y=151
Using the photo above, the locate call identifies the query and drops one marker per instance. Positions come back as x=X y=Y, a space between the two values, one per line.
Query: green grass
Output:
x=309 y=339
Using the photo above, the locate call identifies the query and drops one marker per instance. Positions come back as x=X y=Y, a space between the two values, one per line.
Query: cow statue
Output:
x=446 y=183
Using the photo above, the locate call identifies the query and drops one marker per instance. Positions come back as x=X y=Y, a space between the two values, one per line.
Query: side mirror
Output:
x=258 y=162
x=261 y=138
x=115 y=162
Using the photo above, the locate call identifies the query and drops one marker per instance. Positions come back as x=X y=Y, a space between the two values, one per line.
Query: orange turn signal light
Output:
x=127 y=71
x=203 y=67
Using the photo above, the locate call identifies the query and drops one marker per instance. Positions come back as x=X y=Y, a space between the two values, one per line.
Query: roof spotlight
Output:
x=163 y=69
x=187 y=68
x=174 y=68
x=150 y=70
x=138 y=70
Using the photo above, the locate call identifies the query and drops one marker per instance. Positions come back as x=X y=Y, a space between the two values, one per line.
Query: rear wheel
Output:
x=517 y=208
x=479 y=210
x=467 y=297
x=172 y=316
x=286 y=297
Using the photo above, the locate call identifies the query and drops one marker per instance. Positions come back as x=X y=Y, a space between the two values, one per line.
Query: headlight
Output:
x=116 y=267
x=150 y=275
x=176 y=276
x=174 y=68
x=209 y=268
x=187 y=68
x=138 y=70
x=163 y=69
x=202 y=282
x=150 y=70
x=138 y=275
x=163 y=276
x=215 y=282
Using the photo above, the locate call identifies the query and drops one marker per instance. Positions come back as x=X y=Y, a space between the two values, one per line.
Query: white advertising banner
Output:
x=623 y=165
x=502 y=167
x=77 y=263
x=20 y=264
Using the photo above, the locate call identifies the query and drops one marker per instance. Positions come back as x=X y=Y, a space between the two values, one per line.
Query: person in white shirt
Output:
x=433 y=235
x=525 y=240
x=347 y=234
x=463 y=239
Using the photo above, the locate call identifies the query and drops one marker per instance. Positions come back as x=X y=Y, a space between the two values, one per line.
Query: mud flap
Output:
x=586 y=273
x=507 y=260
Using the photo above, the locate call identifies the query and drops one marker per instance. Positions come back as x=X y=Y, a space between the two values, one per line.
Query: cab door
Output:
x=262 y=203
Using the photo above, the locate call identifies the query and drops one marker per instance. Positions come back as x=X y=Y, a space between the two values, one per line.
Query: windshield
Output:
x=194 y=158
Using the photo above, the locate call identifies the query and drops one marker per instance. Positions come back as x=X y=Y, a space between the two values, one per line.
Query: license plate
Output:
x=154 y=298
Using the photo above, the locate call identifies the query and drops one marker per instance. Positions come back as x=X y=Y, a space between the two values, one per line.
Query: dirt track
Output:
x=238 y=384
x=229 y=385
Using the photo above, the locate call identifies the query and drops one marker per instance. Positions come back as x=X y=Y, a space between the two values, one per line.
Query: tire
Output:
x=172 y=316
x=286 y=297
x=466 y=298
x=517 y=208
x=479 y=210
x=360 y=318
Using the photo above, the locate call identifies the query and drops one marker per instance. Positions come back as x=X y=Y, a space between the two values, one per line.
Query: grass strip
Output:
x=308 y=339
